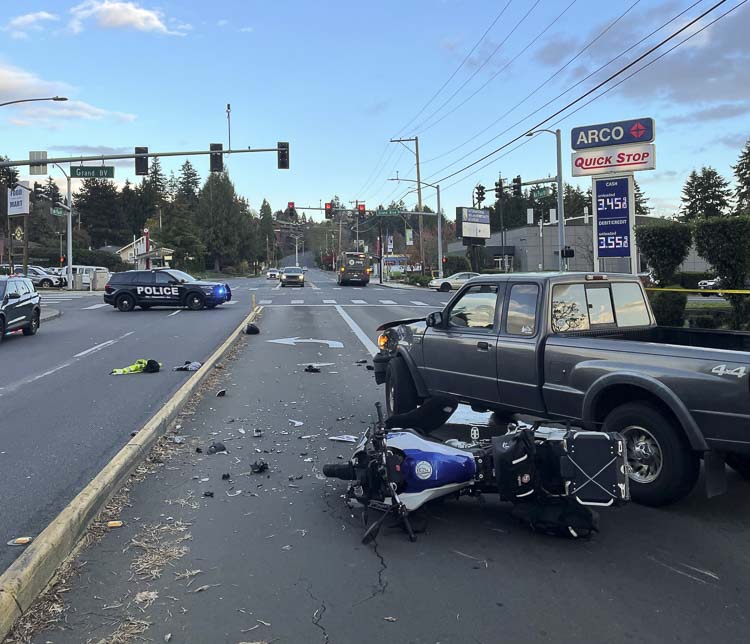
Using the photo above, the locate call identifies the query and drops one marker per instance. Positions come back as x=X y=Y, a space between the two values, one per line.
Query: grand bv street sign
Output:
x=626 y=158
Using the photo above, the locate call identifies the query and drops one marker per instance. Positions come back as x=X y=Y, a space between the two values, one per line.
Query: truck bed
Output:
x=702 y=338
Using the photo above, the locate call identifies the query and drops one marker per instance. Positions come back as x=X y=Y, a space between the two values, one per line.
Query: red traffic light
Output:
x=329 y=210
x=361 y=208
x=290 y=205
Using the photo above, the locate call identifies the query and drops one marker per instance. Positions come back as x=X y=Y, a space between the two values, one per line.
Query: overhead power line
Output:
x=598 y=86
x=503 y=68
x=481 y=66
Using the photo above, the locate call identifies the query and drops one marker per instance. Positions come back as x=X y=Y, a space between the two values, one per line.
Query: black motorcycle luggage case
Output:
x=594 y=467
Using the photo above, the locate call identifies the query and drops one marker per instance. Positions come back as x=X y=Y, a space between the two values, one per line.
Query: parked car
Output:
x=163 y=287
x=20 y=306
x=38 y=275
x=292 y=276
x=709 y=285
x=584 y=348
x=272 y=274
x=455 y=281
x=87 y=272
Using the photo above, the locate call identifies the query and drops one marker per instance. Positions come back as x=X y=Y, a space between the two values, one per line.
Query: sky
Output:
x=339 y=79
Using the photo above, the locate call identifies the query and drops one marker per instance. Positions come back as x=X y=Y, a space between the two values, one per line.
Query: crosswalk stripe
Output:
x=265 y=302
x=298 y=301
x=95 y=306
x=358 y=302
x=386 y=301
x=329 y=301
x=418 y=303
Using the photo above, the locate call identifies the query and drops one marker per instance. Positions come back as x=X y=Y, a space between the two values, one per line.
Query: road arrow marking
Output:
x=332 y=344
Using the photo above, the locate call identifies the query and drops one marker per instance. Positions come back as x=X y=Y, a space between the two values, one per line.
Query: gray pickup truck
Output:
x=584 y=348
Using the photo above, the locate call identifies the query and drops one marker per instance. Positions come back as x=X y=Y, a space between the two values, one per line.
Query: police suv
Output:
x=163 y=287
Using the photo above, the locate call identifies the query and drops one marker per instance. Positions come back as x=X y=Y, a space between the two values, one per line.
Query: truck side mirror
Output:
x=435 y=319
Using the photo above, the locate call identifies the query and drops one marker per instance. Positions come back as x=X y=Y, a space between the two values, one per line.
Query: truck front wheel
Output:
x=663 y=468
x=400 y=392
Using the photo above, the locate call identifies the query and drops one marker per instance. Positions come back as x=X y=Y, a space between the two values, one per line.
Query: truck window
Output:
x=600 y=306
x=475 y=309
x=569 y=308
x=522 y=309
x=630 y=308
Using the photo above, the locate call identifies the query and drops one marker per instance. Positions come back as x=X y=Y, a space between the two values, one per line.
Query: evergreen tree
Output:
x=182 y=236
x=157 y=181
x=218 y=212
x=705 y=194
x=267 y=237
x=641 y=200
x=742 y=173
x=188 y=184
x=52 y=191
x=99 y=207
x=131 y=210
x=172 y=185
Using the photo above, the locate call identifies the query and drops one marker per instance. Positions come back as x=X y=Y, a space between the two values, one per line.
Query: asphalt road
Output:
x=62 y=416
x=278 y=555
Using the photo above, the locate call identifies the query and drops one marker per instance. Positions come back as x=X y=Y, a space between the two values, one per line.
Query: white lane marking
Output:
x=386 y=301
x=418 y=303
x=230 y=302
x=95 y=306
x=298 y=301
x=361 y=335
x=253 y=288
x=174 y=313
x=358 y=302
x=327 y=302
x=277 y=287
x=444 y=303
x=265 y=301
x=336 y=288
x=102 y=345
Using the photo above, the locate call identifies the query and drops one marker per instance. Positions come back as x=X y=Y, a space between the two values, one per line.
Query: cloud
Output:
x=116 y=14
x=222 y=23
x=247 y=30
x=735 y=141
x=90 y=150
x=557 y=49
x=714 y=113
x=18 y=83
x=19 y=26
x=377 y=107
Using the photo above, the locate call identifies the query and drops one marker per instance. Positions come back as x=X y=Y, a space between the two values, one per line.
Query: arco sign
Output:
x=616 y=133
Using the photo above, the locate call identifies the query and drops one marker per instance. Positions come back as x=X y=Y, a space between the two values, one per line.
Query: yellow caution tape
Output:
x=702 y=290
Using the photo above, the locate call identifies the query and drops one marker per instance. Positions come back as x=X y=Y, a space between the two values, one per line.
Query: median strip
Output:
x=28 y=576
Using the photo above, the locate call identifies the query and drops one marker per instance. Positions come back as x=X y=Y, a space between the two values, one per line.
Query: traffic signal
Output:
x=360 y=209
x=282 y=149
x=290 y=205
x=141 y=163
x=517 y=190
x=217 y=158
x=480 y=194
x=498 y=189
x=329 y=210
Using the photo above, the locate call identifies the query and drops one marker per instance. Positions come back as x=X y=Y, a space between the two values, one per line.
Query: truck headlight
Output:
x=386 y=341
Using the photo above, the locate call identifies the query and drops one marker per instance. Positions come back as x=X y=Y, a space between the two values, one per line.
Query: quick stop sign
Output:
x=626 y=158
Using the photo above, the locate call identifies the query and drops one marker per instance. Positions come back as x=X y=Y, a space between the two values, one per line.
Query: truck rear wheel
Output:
x=663 y=467
x=400 y=392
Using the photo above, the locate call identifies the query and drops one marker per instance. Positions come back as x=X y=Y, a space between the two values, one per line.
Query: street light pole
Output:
x=32 y=100
x=419 y=182
x=560 y=200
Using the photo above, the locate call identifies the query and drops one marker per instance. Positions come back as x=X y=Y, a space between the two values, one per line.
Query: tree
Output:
x=665 y=245
x=725 y=244
x=131 y=210
x=157 y=181
x=218 y=212
x=265 y=232
x=182 y=235
x=188 y=184
x=51 y=191
x=99 y=208
x=742 y=174
x=641 y=200
x=705 y=194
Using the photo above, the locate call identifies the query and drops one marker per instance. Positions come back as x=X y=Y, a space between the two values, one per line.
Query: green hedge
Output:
x=417 y=279
x=669 y=307
x=690 y=280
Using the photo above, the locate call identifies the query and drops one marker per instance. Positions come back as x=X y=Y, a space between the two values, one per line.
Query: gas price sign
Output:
x=613 y=217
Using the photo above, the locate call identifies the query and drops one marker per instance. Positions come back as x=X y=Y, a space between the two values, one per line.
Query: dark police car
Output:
x=163 y=287
x=20 y=306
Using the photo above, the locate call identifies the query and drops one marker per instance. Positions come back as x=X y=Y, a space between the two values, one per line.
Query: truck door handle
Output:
x=483 y=346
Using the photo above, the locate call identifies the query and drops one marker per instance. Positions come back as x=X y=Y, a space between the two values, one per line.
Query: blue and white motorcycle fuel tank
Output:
x=430 y=469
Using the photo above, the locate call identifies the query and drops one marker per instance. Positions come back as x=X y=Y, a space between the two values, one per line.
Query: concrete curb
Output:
x=28 y=576
x=50 y=314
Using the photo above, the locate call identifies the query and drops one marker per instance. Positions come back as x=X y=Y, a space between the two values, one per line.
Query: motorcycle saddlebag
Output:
x=514 y=458
x=594 y=468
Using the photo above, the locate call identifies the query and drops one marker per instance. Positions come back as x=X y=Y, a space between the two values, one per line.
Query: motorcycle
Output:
x=552 y=475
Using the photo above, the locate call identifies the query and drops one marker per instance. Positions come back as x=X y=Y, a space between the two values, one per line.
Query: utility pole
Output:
x=500 y=212
x=415 y=140
x=229 y=126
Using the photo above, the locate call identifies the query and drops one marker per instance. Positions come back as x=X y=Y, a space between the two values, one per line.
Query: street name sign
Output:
x=389 y=212
x=625 y=158
x=92 y=172
x=615 y=133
